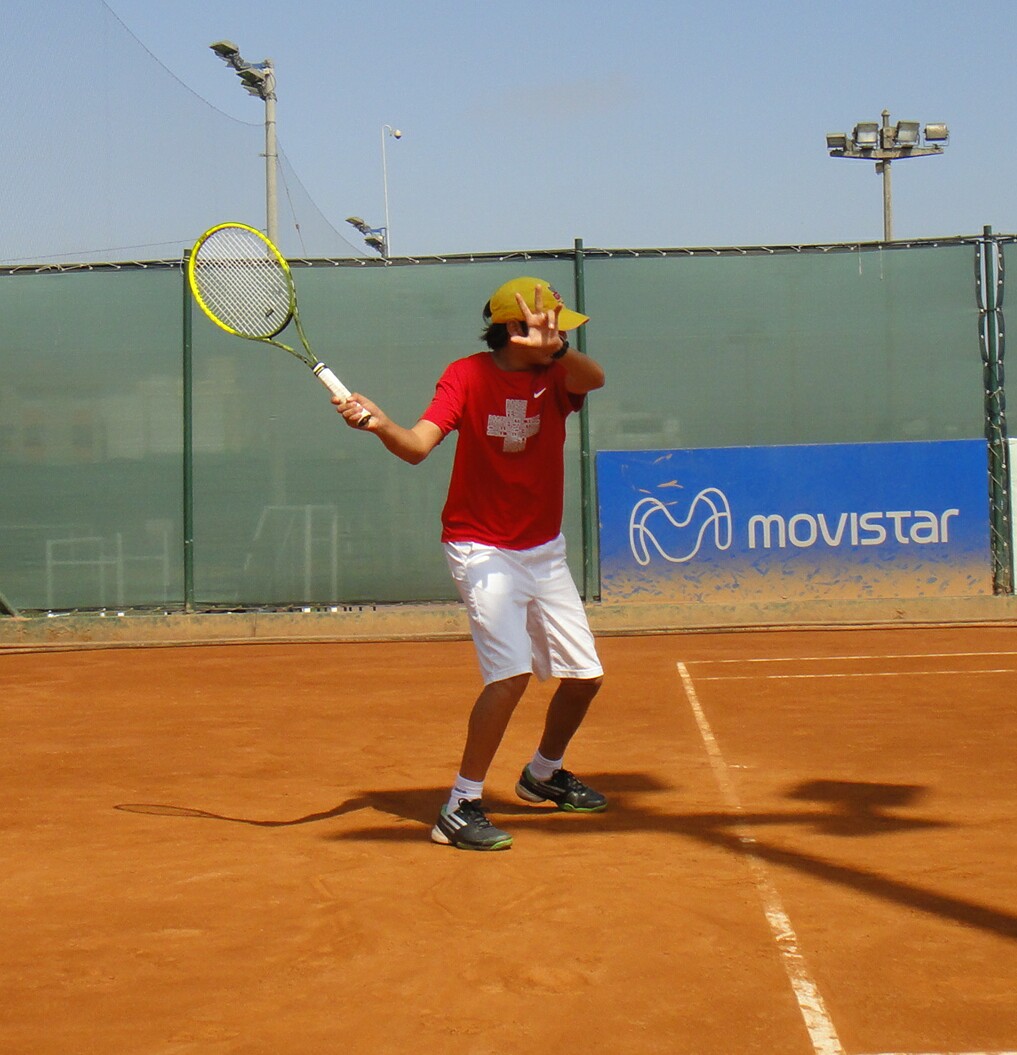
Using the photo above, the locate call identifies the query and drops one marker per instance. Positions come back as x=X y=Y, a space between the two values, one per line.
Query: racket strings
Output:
x=241 y=284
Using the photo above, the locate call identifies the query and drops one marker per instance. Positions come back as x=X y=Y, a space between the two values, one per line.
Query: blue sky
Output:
x=638 y=124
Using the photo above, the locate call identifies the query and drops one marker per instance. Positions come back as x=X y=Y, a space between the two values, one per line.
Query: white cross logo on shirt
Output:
x=514 y=425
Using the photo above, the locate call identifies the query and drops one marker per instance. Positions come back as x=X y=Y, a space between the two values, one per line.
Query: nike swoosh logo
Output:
x=537 y=395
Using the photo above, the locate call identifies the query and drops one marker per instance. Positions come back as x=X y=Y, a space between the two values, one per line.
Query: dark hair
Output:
x=496 y=335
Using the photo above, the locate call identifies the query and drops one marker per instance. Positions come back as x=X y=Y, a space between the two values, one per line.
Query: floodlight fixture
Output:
x=256 y=81
x=866 y=135
x=885 y=143
x=375 y=237
x=225 y=49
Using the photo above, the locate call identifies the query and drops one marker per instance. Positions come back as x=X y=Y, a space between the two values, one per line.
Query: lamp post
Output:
x=885 y=143
x=395 y=133
x=258 y=78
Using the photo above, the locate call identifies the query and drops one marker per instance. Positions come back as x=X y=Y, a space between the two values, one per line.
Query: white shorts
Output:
x=526 y=615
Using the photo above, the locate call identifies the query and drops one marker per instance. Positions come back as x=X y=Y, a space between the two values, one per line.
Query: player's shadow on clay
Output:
x=849 y=809
x=163 y=809
x=845 y=809
x=409 y=804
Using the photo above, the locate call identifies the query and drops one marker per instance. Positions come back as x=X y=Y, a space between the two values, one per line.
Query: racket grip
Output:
x=330 y=381
x=337 y=388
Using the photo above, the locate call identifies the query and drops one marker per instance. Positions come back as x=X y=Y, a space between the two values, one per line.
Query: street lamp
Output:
x=258 y=78
x=884 y=144
x=373 y=236
x=395 y=133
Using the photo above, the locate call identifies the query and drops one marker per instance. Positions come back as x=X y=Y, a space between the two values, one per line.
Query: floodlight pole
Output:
x=271 y=156
x=395 y=134
x=884 y=168
x=258 y=78
x=885 y=144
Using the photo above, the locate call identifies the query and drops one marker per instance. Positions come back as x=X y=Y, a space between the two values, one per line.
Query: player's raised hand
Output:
x=542 y=335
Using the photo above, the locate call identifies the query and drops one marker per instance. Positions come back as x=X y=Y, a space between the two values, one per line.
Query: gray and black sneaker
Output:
x=467 y=828
x=564 y=789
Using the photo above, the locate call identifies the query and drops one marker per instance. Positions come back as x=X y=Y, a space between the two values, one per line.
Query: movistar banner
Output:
x=835 y=521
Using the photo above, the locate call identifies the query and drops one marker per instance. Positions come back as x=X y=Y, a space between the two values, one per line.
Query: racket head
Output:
x=241 y=281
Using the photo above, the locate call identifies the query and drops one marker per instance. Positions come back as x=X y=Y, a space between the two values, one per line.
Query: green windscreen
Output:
x=90 y=439
x=290 y=507
x=787 y=348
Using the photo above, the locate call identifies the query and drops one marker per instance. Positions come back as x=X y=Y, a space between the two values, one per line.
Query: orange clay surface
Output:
x=225 y=849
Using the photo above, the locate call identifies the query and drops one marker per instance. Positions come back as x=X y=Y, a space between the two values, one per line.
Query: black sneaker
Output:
x=564 y=789
x=467 y=828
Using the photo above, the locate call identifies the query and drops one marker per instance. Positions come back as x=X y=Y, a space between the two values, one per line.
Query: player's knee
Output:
x=584 y=689
x=509 y=688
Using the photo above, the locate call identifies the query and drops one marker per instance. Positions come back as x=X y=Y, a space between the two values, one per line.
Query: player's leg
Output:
x=563 y=647
x=489 y=586
x=565 y=713
x=488 y=721
x=462 y=821
x=545 y=778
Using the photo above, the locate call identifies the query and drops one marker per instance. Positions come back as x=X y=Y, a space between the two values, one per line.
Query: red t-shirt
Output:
x=508 y=476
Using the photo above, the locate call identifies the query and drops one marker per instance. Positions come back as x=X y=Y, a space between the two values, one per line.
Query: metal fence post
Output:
x=591 y=566
x=989 y=286
x=188 y=440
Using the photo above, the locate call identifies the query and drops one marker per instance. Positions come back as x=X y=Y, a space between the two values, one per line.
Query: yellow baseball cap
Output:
x=503 y=306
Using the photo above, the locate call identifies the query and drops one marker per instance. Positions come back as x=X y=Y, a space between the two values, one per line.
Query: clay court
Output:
x=224 y=849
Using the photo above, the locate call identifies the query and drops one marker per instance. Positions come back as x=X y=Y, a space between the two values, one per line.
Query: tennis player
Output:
x=503 y=543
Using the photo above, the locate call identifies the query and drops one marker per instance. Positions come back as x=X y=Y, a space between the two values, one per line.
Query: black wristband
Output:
x=563 y=349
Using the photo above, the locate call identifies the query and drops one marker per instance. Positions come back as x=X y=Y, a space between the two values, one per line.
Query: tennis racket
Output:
x=244 y=285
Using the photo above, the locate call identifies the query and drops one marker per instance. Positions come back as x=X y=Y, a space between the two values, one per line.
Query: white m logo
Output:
x=709 y=508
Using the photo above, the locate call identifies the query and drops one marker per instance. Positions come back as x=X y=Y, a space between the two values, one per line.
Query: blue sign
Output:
x=787 y=523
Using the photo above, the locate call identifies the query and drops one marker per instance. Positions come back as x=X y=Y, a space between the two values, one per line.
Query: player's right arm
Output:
x=413 y=445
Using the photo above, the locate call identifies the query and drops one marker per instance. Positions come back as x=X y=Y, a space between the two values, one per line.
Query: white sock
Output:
x=544 y=768
x=464 y=789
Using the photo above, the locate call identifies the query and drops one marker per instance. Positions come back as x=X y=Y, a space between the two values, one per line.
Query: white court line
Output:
x=817 y=1020
x=826 y=659
x=820 y=1026
x=854 y=674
